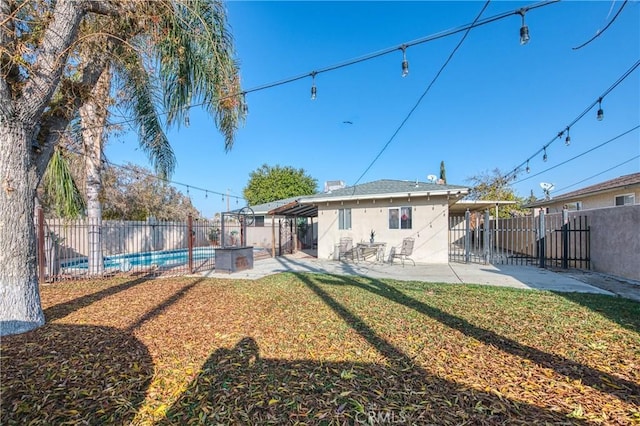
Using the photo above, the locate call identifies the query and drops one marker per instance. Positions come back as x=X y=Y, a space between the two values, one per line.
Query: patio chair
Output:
x=404 y=251
x=346 y=249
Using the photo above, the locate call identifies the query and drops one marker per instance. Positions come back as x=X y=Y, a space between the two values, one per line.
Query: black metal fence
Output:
x=547 y=240
x=85 y=248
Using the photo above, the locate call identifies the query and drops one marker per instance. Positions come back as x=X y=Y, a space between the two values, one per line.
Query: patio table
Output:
x=364 y=250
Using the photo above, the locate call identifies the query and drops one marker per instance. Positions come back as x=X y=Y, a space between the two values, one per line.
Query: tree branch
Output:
x=49 y=65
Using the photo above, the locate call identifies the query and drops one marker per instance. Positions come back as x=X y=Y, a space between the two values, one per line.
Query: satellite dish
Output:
x=432 y=178
x=546 y=188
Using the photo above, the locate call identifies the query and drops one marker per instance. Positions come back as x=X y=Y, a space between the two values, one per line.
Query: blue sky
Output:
x=494 y=105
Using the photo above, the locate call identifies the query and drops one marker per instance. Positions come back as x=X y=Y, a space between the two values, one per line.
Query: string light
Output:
x=600 y=114
x=245 y=107
x=524 y=29
x=528 y=168
x=313 y=86
x=587 y=110
x=405 y=63
x=544 y=156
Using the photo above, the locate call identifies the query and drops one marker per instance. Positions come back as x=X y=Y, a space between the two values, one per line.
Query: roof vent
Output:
x=332 y=185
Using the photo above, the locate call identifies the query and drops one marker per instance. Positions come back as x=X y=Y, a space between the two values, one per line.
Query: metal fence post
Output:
x=467 y=236
x=190 y=234
x=565 y=238
x=40 y=243
x=541 y=239
x=485 y=236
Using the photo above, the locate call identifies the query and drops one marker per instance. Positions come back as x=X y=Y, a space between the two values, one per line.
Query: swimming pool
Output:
x=127 y=262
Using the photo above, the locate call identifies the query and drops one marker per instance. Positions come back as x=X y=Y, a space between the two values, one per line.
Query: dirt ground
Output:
x=622 y=287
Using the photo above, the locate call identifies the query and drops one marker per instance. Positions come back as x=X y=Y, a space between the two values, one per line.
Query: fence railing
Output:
x=71 y=249
x=548 y=240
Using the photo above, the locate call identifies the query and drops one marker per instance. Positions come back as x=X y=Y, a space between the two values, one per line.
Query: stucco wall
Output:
x=429 y=227
x=615 y=240
x=598 y=201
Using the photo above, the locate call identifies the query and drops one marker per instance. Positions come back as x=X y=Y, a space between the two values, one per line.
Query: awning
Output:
x=294 y=208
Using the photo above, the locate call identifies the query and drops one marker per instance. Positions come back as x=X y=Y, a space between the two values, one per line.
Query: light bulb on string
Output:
x=544 y=156
x=313 y=86
x=528 y=168
x=524 y=29
x=600 y=114
x=405 y=63
x=245 y=107
x=567 y=140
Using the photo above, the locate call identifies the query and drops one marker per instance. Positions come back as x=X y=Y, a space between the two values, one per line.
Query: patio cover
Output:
x=294 y=208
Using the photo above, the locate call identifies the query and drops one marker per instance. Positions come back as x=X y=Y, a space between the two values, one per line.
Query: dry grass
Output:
x=321 y=349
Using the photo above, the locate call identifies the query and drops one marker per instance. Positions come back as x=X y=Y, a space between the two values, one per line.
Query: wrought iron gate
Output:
x=548 y=240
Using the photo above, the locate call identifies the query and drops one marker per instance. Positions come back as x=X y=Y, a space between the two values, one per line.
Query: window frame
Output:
x=401 y=211
x=631 y=196
x=345 y=215
x=258 y=221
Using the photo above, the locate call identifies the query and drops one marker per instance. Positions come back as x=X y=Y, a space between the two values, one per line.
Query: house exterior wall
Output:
x=429 y=226
x=596 y=201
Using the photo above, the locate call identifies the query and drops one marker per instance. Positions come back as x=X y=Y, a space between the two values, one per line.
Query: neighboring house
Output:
x=394 y=209
x=621 y=191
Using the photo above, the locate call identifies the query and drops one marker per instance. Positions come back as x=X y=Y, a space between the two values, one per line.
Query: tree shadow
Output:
x=61 y=310
x=623 y=389
x=623 y=312
x=238 y=386
x=73 y=374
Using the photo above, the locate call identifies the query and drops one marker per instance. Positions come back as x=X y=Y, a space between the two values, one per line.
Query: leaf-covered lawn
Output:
x=321 y=349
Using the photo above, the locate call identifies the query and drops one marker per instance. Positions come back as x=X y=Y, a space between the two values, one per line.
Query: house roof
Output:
x=306 y=205
x=609 y=185
x=386 y=188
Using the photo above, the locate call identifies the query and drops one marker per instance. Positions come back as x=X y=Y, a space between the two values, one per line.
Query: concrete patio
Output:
x=524 y=277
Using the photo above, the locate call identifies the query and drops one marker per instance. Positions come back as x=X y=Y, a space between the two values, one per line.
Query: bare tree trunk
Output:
x=94 y=115
x=20 y=308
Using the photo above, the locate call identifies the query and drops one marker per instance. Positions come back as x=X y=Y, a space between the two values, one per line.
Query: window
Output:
x=258 y=221
x=400 y=218
x=344 y=218
x=625 y=200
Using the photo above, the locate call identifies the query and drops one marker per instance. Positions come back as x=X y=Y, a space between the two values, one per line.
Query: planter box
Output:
x=234 y=259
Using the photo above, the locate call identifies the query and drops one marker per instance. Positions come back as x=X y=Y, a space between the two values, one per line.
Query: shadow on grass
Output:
x=61 y=310
x=623 y=389
x=73 y=374
x=238 y=386
x=624 y=312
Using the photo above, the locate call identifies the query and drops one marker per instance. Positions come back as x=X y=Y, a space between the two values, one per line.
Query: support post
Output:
x=541 y=239
x=273 y=235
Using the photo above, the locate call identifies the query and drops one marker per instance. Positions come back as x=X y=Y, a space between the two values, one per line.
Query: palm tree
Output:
x=52 y=55
x=176 y=52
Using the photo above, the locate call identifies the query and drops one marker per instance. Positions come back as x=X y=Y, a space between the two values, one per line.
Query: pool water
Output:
x=126 y=262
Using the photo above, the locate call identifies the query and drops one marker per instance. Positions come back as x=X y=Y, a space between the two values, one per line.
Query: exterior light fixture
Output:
x=600 y=114
x=567 y=140
x=405 y=63
x=544 y=156
x=524 y=29
x=313 y=86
